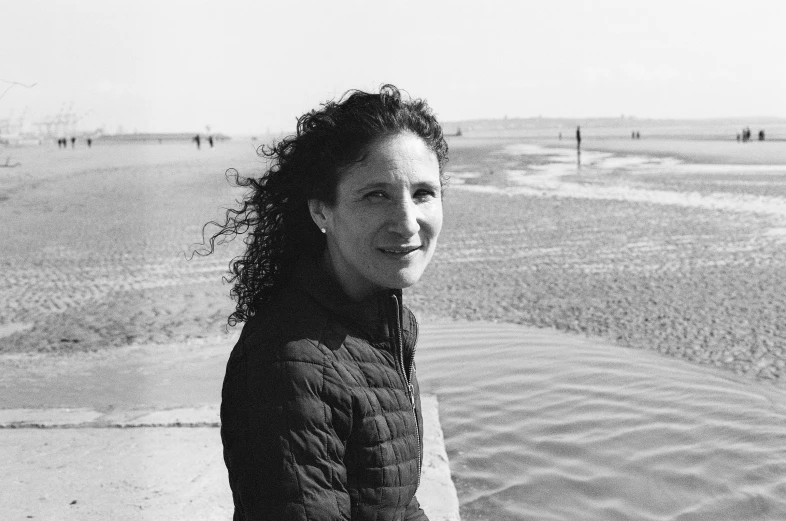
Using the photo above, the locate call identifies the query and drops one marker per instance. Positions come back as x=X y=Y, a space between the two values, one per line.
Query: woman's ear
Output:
x=318 y=211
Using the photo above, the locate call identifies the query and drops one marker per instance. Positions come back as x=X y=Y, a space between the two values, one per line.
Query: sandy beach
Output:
x=662 y=256
x=577 y=429
x=672 y=247
x=684 y=261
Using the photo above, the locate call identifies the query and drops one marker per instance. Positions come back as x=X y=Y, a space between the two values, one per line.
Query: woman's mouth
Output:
x=400 y=250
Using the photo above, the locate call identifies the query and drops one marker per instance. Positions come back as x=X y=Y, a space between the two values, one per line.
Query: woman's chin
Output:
x=403 y=273
x=405 y=278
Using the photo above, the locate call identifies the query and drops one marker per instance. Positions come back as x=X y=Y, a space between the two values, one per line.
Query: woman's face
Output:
x=383 y=227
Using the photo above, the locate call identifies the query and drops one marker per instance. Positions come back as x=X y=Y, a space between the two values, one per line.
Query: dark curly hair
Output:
x=274 y=212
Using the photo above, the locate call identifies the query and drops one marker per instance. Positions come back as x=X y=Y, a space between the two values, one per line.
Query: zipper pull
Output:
x=412 y=396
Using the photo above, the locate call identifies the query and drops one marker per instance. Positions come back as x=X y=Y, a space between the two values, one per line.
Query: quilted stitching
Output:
x=316 y=420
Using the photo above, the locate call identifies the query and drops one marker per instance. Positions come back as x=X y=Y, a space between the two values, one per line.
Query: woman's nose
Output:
x=404 y=218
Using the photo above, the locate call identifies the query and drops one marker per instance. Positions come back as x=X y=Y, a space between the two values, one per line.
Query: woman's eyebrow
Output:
x=372 y=186
x=428 y=184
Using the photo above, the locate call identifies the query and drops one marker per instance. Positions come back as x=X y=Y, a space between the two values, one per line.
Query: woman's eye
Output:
x=375 y=195
x=425 y=194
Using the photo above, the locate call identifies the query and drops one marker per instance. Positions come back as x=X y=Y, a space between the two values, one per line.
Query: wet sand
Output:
x=95 y=246
x=692 y=150
x=542 y=425
x=676 y=260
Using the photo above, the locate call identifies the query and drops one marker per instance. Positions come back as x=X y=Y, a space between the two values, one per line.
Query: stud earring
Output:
x=323 y=230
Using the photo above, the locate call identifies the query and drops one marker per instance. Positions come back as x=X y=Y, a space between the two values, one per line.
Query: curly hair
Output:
x=274 y=212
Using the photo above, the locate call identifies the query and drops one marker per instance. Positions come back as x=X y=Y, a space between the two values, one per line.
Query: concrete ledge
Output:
x=437 y=494
x=69 y=464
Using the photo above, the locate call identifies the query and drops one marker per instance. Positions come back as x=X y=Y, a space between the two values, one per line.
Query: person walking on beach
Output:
x=198 y=141
x=320 y=411
x=578 y=139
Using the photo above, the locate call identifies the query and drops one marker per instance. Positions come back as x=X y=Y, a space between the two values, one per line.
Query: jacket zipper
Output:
x=407 y=381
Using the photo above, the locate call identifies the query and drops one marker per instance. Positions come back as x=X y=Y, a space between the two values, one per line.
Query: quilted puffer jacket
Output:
x=320 y=412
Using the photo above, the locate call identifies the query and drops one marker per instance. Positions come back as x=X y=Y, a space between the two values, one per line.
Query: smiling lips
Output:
x=400 y=250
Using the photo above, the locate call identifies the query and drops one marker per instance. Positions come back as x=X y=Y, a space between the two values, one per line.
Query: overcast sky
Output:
x=245 y=67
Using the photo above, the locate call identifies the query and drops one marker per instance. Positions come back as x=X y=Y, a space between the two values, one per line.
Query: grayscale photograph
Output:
x=351 y=260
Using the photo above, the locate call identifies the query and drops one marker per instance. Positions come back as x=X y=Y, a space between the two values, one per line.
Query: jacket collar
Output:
x=374 y=316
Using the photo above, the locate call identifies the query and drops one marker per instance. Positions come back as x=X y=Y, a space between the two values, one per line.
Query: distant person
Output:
x=738 y=137
x=761 y=135
x=560 y=136
x=210 y=140
x=578 y=139
x=198 y=141
x=633 y=135
x=638 y=136
x=73 y=142
x=89 y=143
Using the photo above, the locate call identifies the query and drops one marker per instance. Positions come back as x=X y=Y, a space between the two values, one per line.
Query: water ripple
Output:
x=541 y=425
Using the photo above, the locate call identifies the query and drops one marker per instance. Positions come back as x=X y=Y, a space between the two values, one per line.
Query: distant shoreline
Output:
x=700 y=145
x=690 y=150
x=179 y=136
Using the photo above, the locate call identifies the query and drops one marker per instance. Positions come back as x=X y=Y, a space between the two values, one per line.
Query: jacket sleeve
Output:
x=282 y=451
x=414 y=512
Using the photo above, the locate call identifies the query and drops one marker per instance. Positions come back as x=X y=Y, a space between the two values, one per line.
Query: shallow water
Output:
x=557 y=174
x=545 y=426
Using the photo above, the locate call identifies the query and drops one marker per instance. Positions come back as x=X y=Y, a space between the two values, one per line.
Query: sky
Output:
x=247 y=67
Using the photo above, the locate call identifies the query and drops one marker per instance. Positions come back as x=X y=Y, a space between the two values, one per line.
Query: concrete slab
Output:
x=93 y=474
x=139 y=464
x=437 y=493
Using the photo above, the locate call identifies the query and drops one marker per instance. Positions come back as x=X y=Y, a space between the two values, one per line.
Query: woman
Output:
x=320 y=407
